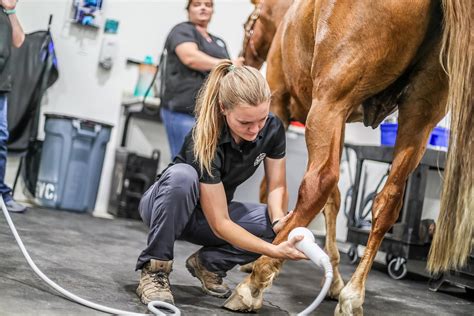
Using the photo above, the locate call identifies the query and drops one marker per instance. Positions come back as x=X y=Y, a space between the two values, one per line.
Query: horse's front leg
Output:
x=248 y=295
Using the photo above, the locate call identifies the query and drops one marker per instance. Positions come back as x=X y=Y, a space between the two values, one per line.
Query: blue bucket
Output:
x=439 y=137
x=388 y=134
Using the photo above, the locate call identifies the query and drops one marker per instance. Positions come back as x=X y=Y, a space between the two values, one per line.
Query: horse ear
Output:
x=255 y=2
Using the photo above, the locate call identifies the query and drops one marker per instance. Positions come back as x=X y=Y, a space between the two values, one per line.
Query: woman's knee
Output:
x=181 y=179
x=182 y=173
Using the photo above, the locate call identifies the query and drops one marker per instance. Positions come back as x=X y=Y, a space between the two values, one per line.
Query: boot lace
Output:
x=161 y=278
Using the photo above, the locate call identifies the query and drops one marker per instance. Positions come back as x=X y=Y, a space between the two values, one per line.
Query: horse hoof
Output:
x=359 y=311
x=335 y=289
x=235 y=302
x=348 y=312
x=242 y=300
x=350 y=302
x=338 y=311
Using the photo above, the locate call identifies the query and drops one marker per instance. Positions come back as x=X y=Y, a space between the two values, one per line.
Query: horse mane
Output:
x=452 y=242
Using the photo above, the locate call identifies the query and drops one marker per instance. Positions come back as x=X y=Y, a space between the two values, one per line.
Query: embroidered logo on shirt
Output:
x=220 y=43
x=259 y=159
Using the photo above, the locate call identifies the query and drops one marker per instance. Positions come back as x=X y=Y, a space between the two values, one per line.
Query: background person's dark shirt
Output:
x=5 y=52
x=234 y=164
x=183 y=83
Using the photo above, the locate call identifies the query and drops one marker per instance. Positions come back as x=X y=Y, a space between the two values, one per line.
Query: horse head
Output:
x=259 y=31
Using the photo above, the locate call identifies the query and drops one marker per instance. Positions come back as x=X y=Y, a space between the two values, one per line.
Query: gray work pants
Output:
x=169 y=209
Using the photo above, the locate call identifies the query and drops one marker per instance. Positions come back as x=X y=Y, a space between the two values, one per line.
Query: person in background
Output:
x=192 y=199
x=191 y=54
x=12 y=35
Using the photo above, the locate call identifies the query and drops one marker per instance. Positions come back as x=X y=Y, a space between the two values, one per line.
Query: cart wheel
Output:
x=353 y=254
x=397 y=268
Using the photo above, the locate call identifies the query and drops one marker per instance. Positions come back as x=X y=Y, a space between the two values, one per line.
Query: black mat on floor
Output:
x=95 y=258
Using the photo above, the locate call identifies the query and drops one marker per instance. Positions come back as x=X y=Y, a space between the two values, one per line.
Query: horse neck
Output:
x=276 y=9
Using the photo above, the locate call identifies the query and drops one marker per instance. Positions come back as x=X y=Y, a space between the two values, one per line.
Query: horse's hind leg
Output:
x=423 y=107
x=330 y=215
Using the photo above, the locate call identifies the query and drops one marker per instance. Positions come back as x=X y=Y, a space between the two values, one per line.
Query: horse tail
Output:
x=453 y=238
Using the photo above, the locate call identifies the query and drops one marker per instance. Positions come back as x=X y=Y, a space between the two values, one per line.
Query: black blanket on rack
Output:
x=34 y=71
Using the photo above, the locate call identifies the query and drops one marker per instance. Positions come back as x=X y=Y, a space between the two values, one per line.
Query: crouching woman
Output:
x=192 y=199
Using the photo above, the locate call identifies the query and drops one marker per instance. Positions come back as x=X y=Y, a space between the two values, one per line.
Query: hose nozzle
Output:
x=309 y=247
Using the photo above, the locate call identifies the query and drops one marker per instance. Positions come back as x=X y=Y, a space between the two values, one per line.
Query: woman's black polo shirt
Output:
x=233 y=164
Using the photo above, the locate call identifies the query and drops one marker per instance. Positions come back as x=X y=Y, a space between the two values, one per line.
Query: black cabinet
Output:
x=133 y=175
x=408 y=242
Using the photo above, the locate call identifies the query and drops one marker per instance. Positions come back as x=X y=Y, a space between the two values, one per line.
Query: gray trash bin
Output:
x=71 y=162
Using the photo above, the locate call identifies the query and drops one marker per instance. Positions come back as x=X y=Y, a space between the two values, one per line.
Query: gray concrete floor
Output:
x=94 y=258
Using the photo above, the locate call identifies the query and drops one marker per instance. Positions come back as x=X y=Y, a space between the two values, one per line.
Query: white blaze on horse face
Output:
x=323 y=28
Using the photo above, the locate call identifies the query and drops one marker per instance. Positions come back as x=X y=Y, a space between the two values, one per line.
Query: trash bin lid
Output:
x=70 y=117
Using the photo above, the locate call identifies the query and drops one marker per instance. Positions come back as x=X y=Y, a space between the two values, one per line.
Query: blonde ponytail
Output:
x=209 y=118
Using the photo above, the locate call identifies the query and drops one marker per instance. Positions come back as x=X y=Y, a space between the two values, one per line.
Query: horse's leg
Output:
x=330 y=214
x=422 y=108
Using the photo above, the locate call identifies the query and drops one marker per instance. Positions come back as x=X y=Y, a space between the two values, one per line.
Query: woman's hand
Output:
x=282 y=222
x=287 y=250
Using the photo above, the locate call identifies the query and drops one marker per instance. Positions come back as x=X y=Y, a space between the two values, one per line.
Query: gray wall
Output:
x=84 y=89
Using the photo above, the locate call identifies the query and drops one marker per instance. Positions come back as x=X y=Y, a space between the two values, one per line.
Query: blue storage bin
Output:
x=388 y=134
x=71 y=162
x=439 y=137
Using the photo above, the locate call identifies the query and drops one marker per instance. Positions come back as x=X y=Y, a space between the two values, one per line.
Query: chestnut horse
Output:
x=328 y=57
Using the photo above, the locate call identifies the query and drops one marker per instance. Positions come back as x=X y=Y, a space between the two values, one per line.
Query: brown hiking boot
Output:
x=211 y=281
x=154 y=282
